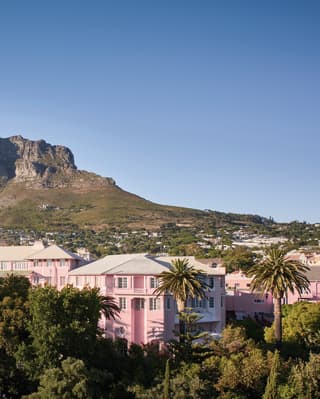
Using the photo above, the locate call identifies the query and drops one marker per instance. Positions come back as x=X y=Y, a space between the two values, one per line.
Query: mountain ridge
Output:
x=41 y=187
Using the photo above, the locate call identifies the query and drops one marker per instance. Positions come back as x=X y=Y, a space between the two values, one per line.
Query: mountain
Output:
x=41 y=188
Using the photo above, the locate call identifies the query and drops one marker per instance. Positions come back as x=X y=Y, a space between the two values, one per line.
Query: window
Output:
x=123 y=303
x=96 y=281
x=168 y=303
x=211 y=302
x=154 y=303
x=222 y=301
x=49 y=262
x=20 y=266
x=35 y=263
x=221 y=282
x=195 y=303
x=78 y=280
x=139 y=303
x=258 y=301
x=86 y=279
x=62 y=262
x=120 y=332
x=122 y=282
x=3 y=266
x=36 y=279
x=211 y=282
x=62 y=280
x=154 y=282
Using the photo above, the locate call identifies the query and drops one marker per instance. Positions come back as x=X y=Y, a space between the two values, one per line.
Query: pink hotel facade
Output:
x=131 y=279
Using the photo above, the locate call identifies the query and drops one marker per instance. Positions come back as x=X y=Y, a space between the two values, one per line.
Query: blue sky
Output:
x=205 y=104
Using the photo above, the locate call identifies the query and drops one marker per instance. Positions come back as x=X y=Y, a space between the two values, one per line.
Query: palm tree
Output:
x=108 y=307
x=183 y=281
x=278 y=274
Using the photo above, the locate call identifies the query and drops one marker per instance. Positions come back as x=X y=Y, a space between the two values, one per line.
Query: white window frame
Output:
x=154 y=304
x=122 y=282
x=123 y=303
x=154 y=282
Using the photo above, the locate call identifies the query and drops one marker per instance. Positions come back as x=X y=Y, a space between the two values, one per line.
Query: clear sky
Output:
x=204 y=104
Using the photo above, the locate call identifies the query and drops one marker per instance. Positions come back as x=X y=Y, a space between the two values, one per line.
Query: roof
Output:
x=201 y=265
x=139 y=264
x=122 y=264
x=54 y=252
x=17 y=253
x=314 y=273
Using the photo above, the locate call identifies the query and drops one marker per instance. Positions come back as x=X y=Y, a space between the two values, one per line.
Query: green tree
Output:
x=71 y=381
x=166 y=382
x=277 y=274
x=62 y=324
x=239 y=258
x=271 y=390
x=13 y=312
x=304 y=379
x=183 y=281
x=300 y=327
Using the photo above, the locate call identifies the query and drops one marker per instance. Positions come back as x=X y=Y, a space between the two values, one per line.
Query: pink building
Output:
x=144 y=317
x=43 y=265
x=242 y=303
x=314 y=295
x=131 y=280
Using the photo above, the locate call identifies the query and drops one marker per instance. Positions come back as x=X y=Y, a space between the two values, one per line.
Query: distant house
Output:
x=313 y=276
x=144 y=317
x=241 y=302
x=42 y=265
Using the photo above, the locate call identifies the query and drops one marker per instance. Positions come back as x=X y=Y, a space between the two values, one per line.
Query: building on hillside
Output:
x=241 y=302
x=144 y=317
x=42 y=265
x=313 y=295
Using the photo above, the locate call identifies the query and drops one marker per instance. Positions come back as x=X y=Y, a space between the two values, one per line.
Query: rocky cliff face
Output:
x=39 y=164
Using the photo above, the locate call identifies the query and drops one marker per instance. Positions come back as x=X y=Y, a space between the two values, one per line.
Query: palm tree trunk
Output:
x=277 y=322
x=182 y=324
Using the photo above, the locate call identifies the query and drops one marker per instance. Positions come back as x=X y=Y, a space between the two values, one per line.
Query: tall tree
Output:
x=183 y=281
x=166 y=382
x=63 y=324
x=278 y=274
x=271 y=390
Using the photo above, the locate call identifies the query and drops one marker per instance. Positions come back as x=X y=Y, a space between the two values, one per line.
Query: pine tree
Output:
x=271 y=390
x=166 y=383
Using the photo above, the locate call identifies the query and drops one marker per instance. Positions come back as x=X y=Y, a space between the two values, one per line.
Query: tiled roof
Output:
x=138 y=264
x=122 y=264
x=197 y=264
x=54 y=252
x=17 y=253
x=314 y=273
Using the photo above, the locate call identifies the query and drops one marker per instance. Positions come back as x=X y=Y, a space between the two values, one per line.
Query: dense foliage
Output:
x=51 y=347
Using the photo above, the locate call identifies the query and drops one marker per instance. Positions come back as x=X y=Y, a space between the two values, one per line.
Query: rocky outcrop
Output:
x=39 y=164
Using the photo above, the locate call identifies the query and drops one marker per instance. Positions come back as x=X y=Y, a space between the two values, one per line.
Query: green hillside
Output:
x=95 y=208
